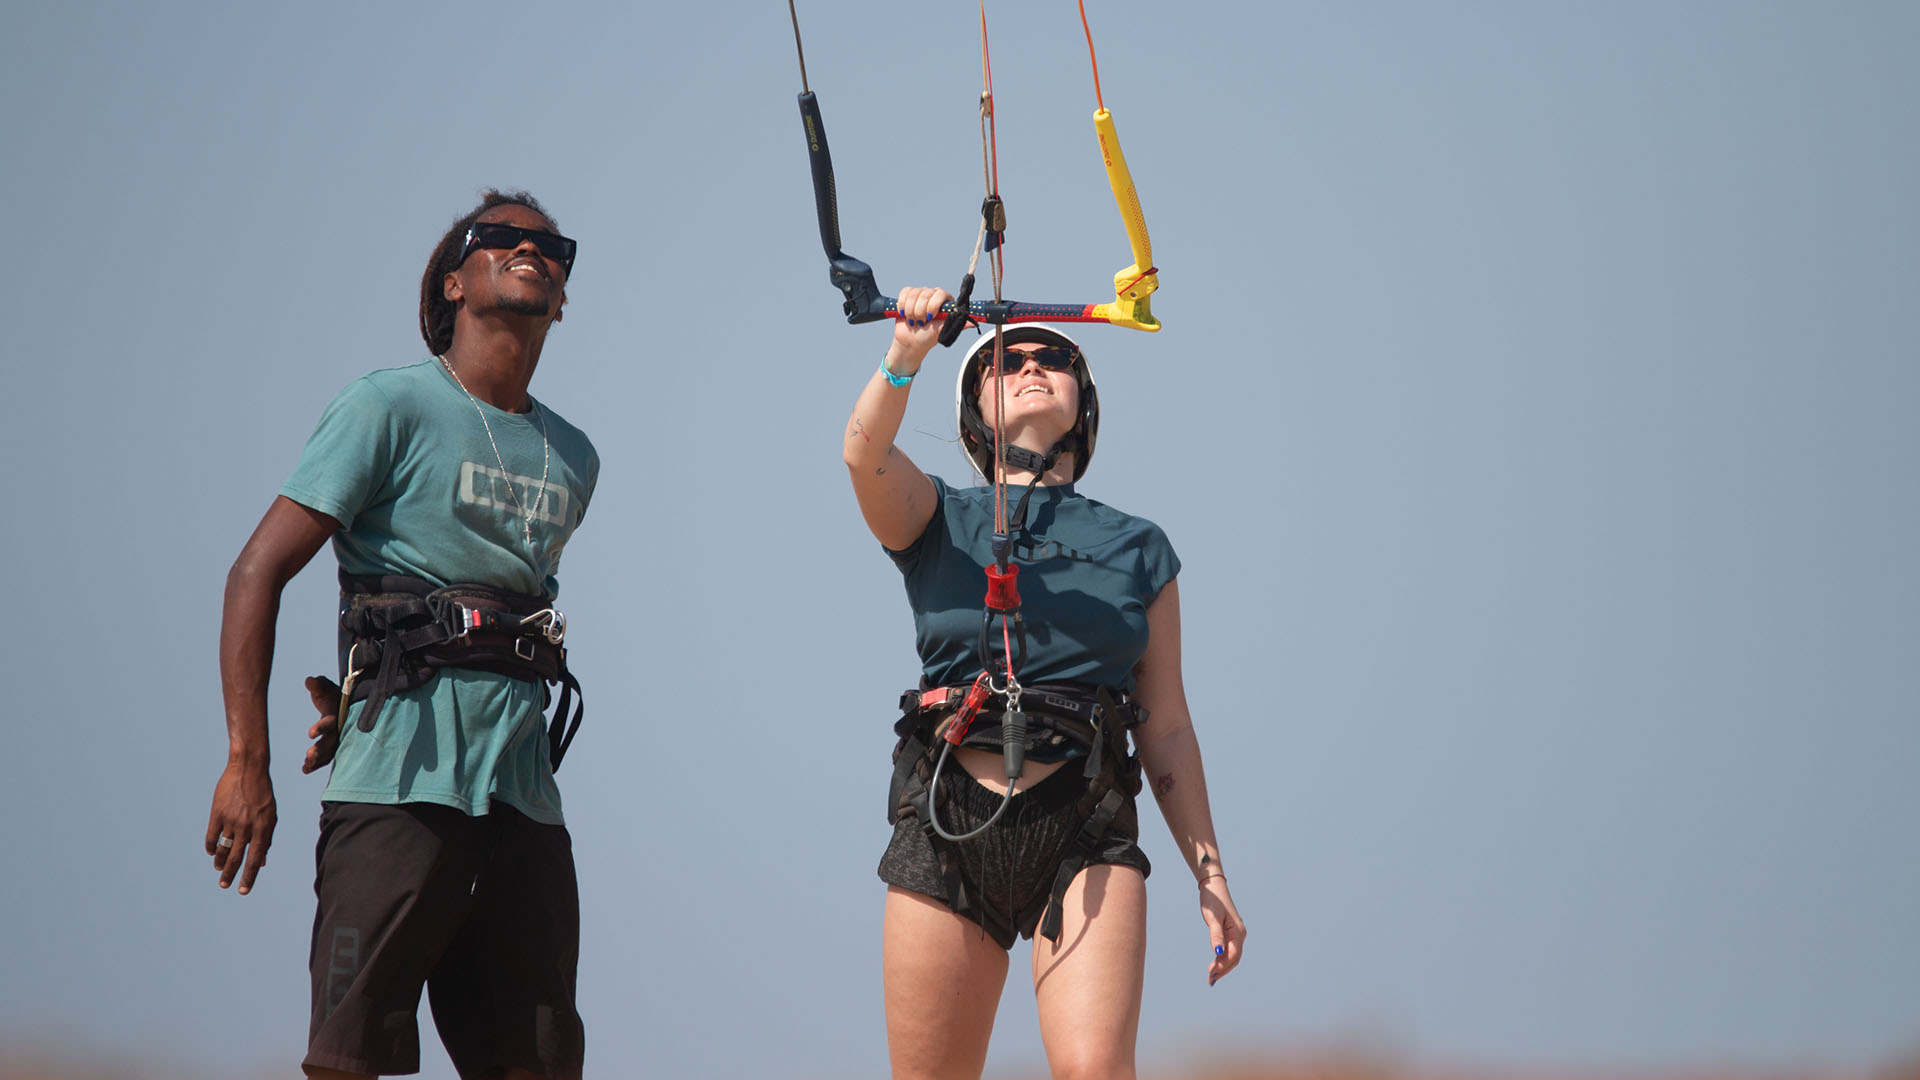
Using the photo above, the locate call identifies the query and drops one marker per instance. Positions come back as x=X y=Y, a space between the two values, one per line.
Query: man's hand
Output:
x=325 y=731
x=240 y=826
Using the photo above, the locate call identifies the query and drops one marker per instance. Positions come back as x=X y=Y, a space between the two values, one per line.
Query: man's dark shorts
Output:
x=483 y=911
x=1009 y=869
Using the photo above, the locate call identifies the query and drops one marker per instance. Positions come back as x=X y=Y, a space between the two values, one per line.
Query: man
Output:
x=449 y=494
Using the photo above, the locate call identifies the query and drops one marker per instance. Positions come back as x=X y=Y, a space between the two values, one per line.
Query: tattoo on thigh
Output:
x=1163 y=784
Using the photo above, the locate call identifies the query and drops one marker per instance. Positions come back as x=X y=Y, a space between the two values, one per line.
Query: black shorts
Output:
x=484 y=911
x=1009 y=869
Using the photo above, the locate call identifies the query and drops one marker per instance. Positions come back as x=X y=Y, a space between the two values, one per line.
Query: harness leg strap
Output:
x=383 y=679
x=1089 y=836
x=563 y=728
x=910 y=790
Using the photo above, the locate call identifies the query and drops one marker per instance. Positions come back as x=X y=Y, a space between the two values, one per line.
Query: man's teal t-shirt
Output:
x=402 y=461
x=1088 y=573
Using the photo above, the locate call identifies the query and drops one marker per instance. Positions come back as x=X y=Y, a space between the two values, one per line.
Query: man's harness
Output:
x=1064 y=719
x=397 y=632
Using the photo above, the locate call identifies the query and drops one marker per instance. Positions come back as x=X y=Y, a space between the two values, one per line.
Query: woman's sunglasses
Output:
x=1051 y=357
x=498 y=235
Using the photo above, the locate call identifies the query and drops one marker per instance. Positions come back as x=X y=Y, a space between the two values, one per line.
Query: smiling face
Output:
x=513 y=281
x=1042 y=404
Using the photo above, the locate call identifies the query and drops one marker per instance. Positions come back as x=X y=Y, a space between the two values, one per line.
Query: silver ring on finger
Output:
x=225 y=842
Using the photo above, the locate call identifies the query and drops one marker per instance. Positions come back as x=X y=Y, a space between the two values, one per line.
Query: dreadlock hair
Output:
x=436 y=311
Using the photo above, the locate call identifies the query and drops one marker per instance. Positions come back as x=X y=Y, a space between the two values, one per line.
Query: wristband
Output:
x=1216 y=874
x=897 y=380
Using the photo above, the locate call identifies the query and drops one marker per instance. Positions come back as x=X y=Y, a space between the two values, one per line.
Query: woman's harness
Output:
x=397 y=632
x=1062 y=716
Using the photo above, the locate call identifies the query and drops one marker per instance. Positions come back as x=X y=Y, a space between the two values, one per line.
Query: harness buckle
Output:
x=465 y=618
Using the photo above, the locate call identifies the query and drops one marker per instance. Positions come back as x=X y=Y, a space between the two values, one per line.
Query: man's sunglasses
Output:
x=1051 y=357
x=498 y=235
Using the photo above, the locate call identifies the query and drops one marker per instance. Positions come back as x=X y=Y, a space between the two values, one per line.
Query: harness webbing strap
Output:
x=1078 y=853
x=911 y=790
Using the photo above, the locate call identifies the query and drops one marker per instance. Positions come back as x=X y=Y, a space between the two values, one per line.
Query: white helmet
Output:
x=976 y=435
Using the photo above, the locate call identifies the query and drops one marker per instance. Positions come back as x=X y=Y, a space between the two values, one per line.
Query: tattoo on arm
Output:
x=859 y=428
x=1163 y=784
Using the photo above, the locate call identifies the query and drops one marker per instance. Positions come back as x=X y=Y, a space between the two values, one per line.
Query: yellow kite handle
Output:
x=1132 y=285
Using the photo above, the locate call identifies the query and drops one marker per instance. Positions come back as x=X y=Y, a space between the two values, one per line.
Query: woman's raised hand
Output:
x=917 y=329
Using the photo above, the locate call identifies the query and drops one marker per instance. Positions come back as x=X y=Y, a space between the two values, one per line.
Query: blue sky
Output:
x=1535 y=419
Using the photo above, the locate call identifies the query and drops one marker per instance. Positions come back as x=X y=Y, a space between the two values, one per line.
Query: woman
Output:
x=976 y=858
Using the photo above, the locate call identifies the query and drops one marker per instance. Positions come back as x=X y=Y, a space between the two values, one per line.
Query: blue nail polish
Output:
x=1219 y=950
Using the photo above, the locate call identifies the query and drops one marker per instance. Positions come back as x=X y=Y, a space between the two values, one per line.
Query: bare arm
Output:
x=243 y=811
x=895 y=497
x=1170 y=758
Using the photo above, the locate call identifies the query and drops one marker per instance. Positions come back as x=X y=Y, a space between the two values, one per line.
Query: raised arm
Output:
x=895 y=497
x=240 y=825
x=1170 y=758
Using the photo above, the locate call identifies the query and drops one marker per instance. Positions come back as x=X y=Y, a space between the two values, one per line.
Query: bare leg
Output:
x=943 y=979
x=1088 y=986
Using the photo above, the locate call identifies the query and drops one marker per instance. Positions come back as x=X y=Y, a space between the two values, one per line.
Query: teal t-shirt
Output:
x=401 y=459
x=1087 y=574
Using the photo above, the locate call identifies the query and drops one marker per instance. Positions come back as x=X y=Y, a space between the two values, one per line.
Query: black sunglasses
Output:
x=1051 y=357
x=499 y=235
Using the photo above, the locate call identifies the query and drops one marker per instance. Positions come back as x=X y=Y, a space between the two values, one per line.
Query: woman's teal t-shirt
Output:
x=402 y=460
x=1087 y=575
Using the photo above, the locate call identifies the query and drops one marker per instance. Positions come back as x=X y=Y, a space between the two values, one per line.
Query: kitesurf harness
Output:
x=396 y=632
x=1064 y=717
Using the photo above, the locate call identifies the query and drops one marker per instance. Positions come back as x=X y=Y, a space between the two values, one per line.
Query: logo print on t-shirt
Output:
x=1051 y=549
x=484 y=485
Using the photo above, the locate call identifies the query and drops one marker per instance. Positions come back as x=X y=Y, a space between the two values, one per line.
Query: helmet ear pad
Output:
x=976 y=435
x=1088 y=429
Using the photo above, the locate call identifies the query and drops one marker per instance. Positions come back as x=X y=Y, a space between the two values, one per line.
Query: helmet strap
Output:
x=1019 y=457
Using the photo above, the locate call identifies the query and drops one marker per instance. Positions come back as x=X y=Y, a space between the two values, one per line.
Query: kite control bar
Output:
x=864 y=301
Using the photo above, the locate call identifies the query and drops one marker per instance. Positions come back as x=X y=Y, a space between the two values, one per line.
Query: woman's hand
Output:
x=1224 y=926
x=917 y=330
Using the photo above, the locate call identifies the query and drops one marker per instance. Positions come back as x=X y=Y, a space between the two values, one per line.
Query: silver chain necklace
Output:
x=546 y=453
